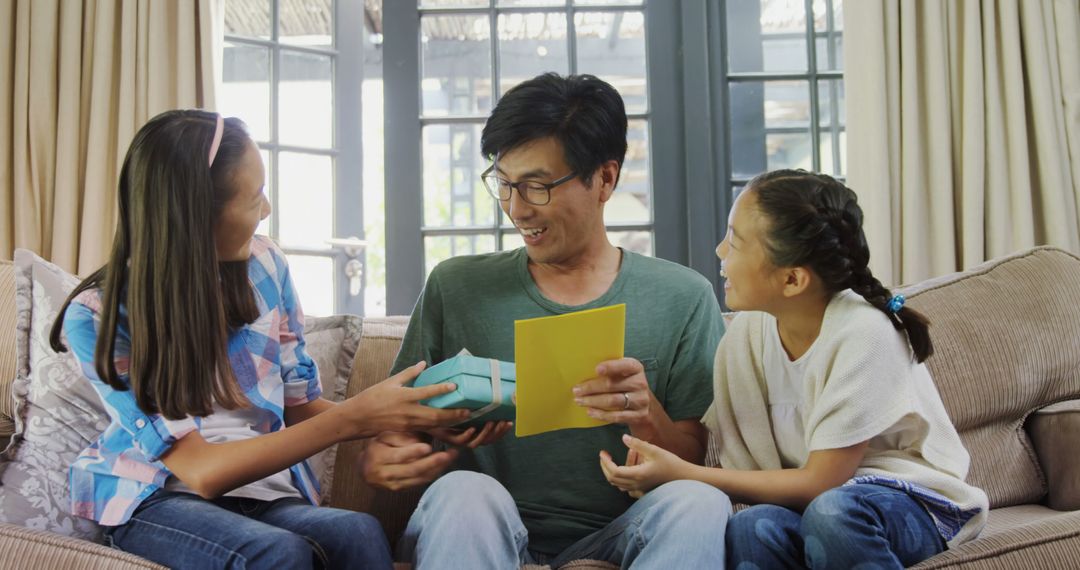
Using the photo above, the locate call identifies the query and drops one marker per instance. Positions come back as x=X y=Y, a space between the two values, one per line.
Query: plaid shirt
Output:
x=123 y=467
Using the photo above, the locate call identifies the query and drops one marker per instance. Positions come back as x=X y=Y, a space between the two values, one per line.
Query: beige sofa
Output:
x=1008 y=367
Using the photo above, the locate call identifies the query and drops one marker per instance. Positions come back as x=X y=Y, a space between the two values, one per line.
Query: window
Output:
x=716 y=93
x=469 y=53
x=284 y=71
x=785 y=87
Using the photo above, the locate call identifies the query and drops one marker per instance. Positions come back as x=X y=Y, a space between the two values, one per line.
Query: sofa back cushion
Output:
x=1007 y=342
x=379 y=344
x=7 y=348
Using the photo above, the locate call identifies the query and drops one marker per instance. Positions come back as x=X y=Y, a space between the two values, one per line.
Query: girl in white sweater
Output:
x=827 y=418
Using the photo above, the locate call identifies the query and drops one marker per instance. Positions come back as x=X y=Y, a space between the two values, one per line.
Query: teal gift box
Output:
x=472 y=375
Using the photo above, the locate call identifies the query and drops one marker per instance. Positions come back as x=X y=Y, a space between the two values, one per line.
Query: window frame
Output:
x=346 y=149
x=692 y=184
x=405 y=121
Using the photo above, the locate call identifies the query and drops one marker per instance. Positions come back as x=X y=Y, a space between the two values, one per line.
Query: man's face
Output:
x=572 y=222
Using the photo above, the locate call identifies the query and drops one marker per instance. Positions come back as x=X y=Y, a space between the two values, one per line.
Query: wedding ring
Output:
x=626 y=396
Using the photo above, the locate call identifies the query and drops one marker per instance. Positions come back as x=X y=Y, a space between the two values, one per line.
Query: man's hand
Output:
x=401 y=460
x=471 y=437
x=647 y=467
x=619 y=394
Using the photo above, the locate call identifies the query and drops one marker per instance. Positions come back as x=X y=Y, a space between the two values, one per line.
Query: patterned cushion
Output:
x=331 y=343
x=57 y=413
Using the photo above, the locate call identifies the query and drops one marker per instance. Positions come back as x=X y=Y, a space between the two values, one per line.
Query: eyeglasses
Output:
x=532 y=191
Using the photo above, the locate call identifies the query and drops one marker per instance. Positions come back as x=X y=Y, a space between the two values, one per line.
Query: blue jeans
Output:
x=864 y=526
x=182 y=530
x=469 y=520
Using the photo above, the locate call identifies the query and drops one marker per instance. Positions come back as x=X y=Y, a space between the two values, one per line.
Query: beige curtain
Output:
x=963 y=129
x=77 y=79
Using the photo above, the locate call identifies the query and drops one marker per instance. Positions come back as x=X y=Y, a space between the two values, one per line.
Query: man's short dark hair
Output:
x=584 y=113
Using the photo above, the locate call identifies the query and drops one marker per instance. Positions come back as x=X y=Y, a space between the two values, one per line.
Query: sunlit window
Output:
x=472 y=52
x=786 y=89
x=281 y=76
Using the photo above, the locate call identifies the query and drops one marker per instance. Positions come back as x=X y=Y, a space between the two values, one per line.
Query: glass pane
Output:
x=636 y=241
x=631 y=201
x=441 y=248
x=607 y=2
x=306 y=108
x=374 y=196
x=766 y=35
x=265 y=225
x=249 y=18
x=830 y=53
x=245 y=87
x=313 y=277
x=611 y=46
x=789 y=150
x=307 y=23
x=456 y=62
x=759 y=107
x=512 y=240
x=831 y=102
x=831 y=117
x=531 y=44
x=502 y=3
x=828 y=15
x=452 y=3
x=305 y=201
x=453 y=192
x=828 y=31
x=834 y=153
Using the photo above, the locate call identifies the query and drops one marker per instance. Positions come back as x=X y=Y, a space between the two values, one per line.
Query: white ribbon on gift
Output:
x=496 y=389
x=496 y=392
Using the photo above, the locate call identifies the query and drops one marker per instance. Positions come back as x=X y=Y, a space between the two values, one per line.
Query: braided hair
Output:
x=815 y=221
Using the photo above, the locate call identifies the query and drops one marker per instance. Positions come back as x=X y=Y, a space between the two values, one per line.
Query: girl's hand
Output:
x=471 y=437
x=391 y=406
x=647 y=467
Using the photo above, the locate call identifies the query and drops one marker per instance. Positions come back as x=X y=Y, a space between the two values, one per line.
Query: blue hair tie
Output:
x=895 y=304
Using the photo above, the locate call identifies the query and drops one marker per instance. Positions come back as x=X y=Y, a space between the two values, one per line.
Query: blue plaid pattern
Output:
x=123 y=467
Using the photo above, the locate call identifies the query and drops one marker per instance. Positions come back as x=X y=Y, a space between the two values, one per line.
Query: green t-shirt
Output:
x=673 y=326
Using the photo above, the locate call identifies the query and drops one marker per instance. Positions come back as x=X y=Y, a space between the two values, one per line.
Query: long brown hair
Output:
x=815 y=221
x=163 y=270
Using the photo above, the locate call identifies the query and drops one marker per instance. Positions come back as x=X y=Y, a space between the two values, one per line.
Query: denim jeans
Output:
x=864 y=526
x=469 y=520
x=182 y=530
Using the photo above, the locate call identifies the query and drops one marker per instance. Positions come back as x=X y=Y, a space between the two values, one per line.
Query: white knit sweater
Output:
x=862 y=383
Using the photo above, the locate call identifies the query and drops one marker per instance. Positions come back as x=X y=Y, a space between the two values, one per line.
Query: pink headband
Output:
x=217 y=138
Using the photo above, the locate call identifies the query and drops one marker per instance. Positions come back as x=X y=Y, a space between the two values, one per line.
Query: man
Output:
x=557 y=146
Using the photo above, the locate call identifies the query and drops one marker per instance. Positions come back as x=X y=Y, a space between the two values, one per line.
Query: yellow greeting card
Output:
x=554 y=354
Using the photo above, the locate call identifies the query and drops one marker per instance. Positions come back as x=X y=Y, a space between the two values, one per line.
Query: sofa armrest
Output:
x=23 y=548
x=1055 y=434
x=1049 y=543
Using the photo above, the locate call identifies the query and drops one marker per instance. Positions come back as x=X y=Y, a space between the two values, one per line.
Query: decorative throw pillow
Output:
x=331 y=343
x=58 y=413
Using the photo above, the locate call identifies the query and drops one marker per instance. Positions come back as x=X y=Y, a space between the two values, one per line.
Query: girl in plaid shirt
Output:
x=192 y=334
